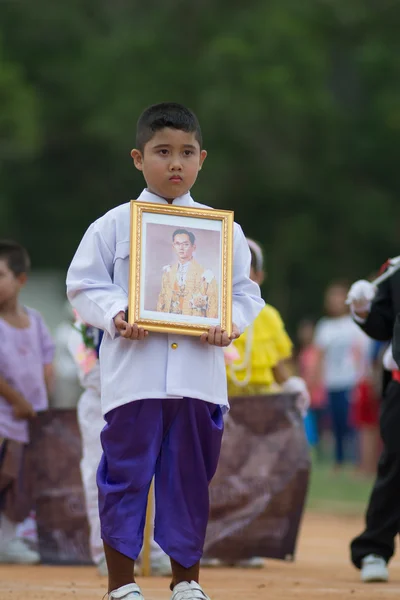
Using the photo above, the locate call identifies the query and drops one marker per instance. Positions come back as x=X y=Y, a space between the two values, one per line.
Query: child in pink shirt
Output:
x=26 y=354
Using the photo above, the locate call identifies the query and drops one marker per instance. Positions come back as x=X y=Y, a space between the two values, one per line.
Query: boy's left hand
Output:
x=218 y=337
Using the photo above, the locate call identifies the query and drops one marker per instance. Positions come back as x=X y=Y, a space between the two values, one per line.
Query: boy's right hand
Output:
x=22 y=409
x=126 y=330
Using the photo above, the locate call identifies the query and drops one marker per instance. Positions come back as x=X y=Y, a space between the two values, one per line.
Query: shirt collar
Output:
x=184 y=266
x=185 y=200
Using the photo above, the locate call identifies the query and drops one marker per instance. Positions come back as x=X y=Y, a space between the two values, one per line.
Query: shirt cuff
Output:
x=109 y=318
x=237 y=320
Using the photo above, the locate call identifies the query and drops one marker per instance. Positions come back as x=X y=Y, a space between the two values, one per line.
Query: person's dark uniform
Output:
x=383 y=513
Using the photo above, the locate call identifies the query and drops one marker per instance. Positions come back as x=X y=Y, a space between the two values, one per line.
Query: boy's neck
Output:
x=17 y=318
x=169 y=200
x=11 y=308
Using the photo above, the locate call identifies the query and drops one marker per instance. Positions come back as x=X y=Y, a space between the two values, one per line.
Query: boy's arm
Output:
x=281 y=372
x=22 y=409
x=246 y=296
x=48 y=351
x=49 y=378
x=90 y=286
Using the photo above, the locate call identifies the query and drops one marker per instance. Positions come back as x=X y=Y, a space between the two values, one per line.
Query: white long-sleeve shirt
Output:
x=162 y=365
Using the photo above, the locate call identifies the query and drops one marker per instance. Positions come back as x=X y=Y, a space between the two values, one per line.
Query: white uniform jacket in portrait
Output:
x=163 y=365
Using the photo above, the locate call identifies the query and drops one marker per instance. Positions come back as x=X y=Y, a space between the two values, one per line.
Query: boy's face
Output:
x=10 y=284
x=170 y=162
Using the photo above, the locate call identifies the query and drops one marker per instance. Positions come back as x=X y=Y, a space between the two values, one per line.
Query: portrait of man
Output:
x=187 y=287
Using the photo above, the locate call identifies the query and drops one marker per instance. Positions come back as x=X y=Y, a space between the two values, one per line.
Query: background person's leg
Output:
x=338 y=424
x=383 y=513
x=91 y=423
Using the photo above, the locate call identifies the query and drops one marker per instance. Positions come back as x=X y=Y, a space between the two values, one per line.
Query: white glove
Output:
x=297 y=385
x=360 y=296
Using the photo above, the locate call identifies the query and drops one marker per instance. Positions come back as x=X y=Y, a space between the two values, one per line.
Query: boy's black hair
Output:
x=166 y=114
x=16 y=256
x=191 y=235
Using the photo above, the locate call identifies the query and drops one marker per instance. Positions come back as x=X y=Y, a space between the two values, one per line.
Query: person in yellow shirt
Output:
x=257 y=362
x=260 y=362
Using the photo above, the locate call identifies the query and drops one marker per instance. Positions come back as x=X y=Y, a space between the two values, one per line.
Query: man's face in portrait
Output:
x=183 y=247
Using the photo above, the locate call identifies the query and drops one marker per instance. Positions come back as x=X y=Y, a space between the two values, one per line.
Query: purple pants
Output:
x=176 y=440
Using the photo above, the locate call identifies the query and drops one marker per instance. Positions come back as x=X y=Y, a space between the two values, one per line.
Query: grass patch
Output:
x=343 y=493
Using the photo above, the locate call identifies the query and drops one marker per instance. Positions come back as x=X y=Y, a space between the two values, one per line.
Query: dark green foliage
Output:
x=298 y=102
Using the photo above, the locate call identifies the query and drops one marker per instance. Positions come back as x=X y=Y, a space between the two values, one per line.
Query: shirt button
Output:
x=174 y=346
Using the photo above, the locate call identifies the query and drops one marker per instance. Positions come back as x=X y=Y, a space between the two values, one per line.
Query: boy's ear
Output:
x=137 y=159
x=203 y=156
x=22 y=279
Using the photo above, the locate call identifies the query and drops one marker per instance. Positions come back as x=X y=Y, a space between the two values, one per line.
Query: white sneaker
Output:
x=17 y=552
x=374 y=569
x=127 y=592
x=188 y=591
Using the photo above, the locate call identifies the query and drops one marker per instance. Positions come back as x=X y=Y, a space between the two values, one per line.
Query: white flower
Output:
x=208 y=276
x=166 y=269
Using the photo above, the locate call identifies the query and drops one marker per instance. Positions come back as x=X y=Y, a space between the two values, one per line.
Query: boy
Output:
x=161 y=394
x=26 y=355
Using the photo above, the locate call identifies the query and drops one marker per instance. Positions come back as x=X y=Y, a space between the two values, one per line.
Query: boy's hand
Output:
x=22 y=409
x=218 y=337
x=131 y=332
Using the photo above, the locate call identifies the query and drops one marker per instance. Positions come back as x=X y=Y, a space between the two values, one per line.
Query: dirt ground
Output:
x=321 y=572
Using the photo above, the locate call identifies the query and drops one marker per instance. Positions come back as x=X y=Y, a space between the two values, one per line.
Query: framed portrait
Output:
x=180 y=268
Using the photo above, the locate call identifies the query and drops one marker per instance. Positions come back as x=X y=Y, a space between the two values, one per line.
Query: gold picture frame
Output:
x=152 y=227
